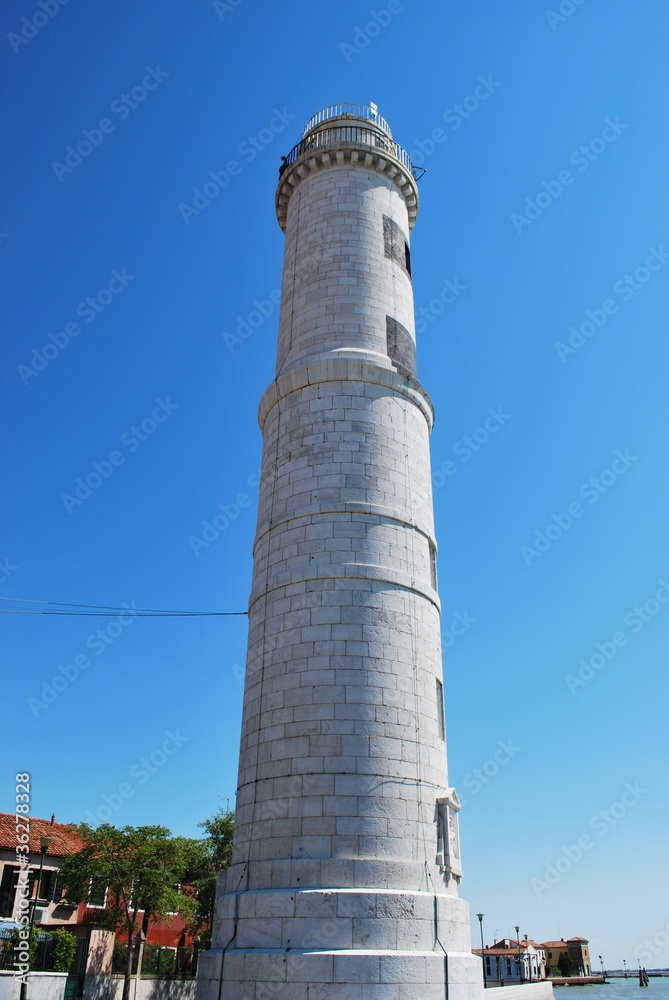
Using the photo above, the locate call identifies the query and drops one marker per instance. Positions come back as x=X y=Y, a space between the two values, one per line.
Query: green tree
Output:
x=211 y=855
x=140 y=870
x=564 y=964
x=63 y=949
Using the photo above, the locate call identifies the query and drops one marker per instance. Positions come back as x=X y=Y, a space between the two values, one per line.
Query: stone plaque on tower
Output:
x=346 y=863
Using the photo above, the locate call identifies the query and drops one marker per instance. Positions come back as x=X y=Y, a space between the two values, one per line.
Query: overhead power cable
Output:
x=106 y=611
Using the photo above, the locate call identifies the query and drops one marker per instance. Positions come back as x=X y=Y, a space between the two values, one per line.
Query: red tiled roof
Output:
x=497 y=951
x=514 y=944
x=561 y=944
x=64 y=838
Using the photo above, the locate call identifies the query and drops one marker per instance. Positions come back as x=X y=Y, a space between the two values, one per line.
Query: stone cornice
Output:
x=345 y=370
x=311 y=513
x=380 y=160
x=367 y=573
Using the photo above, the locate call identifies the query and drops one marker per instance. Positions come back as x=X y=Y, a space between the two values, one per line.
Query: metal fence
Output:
x=356 y=135
x=158 y=961
x=345 y=111
x=9 y=941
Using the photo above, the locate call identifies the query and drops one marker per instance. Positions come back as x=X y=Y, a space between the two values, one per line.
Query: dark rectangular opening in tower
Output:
x=440 y=710
x=401 y=348
x=395 y=245
x=433 y=565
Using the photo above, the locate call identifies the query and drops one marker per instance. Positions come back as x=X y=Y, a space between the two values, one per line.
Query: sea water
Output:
x=618 y=989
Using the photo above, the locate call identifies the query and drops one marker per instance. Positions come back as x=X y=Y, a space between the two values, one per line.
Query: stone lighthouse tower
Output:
x=346 y=865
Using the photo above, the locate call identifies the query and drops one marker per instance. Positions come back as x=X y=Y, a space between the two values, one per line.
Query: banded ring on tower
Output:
x=346 y=851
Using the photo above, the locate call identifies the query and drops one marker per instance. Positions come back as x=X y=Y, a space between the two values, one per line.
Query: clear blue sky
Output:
x=544 y=199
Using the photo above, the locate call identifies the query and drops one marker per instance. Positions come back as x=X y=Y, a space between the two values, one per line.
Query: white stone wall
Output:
x=338 y=286
x=335 y=889
x=41 y=985
x=344 y=649
x=111 y=988
x=526 y=991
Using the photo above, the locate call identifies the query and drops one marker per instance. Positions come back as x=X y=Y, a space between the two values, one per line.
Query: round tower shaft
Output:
x=346 y=852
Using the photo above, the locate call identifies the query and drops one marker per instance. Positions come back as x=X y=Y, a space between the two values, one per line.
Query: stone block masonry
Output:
x=346 y=860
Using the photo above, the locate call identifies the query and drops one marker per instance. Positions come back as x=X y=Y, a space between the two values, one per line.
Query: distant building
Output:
x=510 y=960
x=573 y=953
x=556 y=953
x=579 y=956
x=48 y=907
x=535 y=960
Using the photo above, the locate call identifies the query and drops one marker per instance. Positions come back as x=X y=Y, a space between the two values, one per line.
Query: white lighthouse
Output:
x=346 y=865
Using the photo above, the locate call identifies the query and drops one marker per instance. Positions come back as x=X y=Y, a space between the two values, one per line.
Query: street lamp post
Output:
x=520 y=967
x=529 y=958
x=601 y=962
x=625 y=968
x=480 y=919
x=44 y=847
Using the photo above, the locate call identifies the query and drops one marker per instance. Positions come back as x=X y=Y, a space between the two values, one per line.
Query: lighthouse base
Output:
x=340 y=944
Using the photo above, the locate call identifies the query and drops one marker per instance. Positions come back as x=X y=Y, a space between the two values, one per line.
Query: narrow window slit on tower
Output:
x=395 y=245
x=441 y=722
x=433 y=565
x=401 y=348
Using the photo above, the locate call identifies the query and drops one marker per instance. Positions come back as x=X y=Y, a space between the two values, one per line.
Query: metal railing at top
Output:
x=354 y=134
x=341 y=110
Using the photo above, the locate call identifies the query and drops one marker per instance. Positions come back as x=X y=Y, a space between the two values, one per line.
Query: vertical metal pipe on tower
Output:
x=346 y=855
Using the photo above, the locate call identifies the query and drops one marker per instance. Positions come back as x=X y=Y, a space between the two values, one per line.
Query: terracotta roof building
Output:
x=64 y=838
x=510 y=960
x=94 y=944
x=575 y=956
